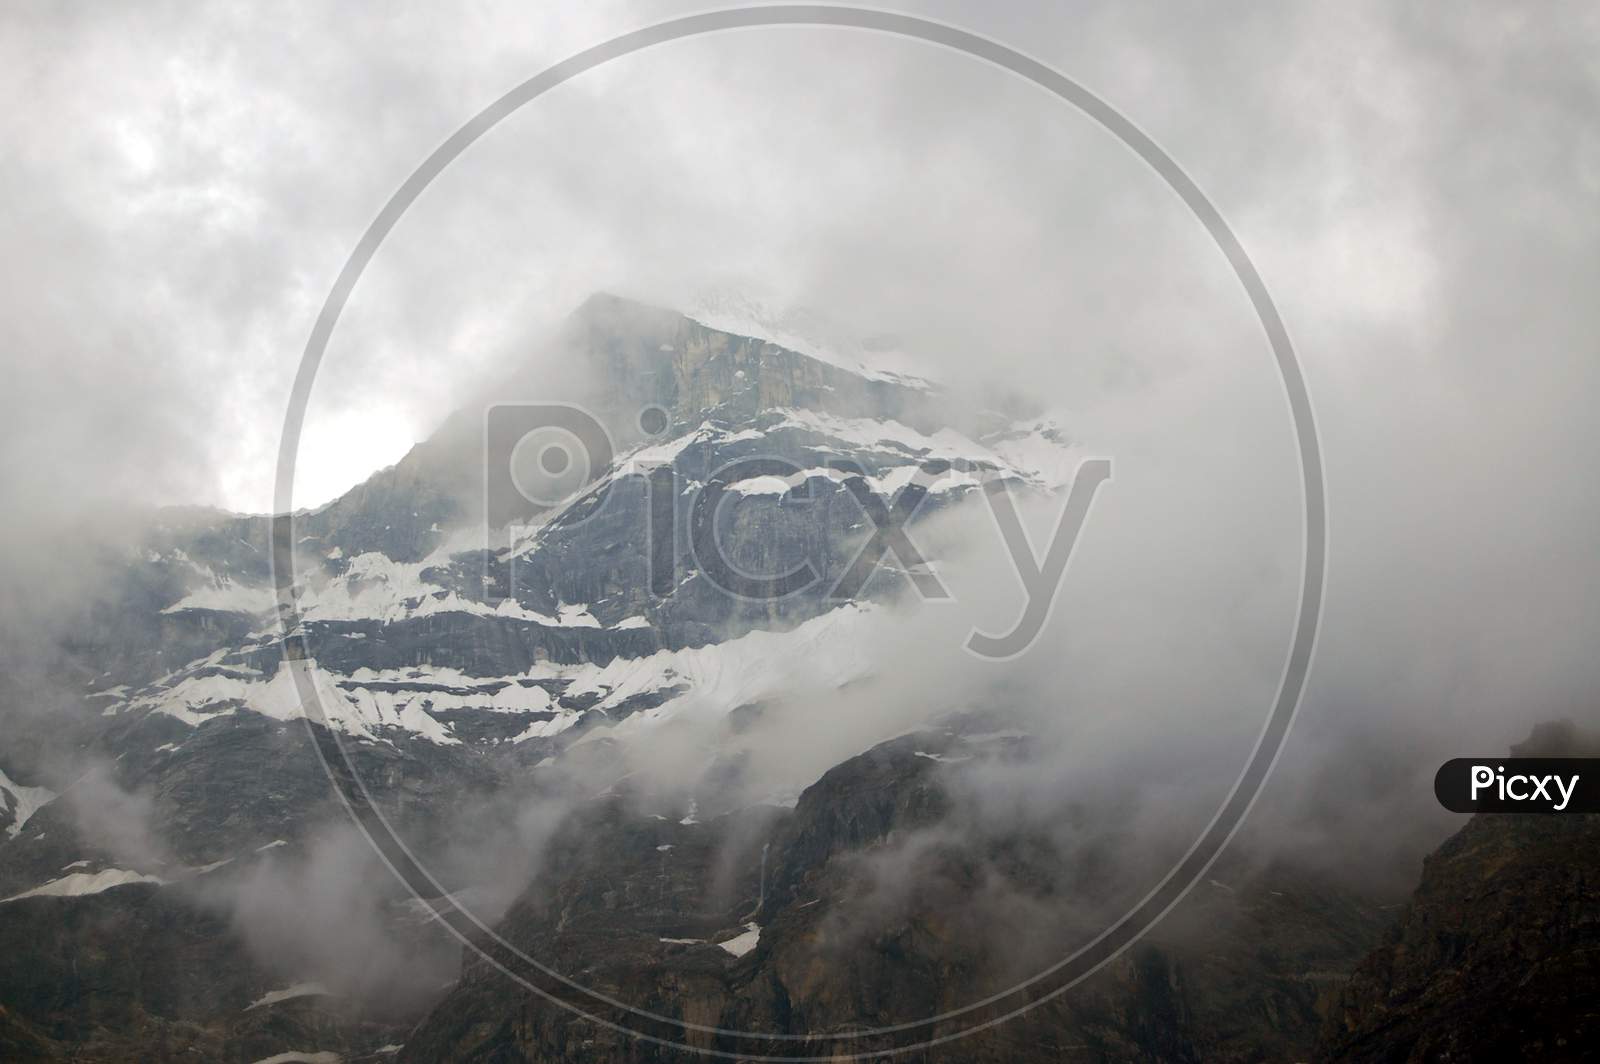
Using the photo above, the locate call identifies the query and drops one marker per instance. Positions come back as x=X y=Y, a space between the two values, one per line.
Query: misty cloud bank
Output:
x=1423 y=199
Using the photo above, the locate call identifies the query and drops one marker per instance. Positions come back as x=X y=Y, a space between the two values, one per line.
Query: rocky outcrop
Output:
x=1497 y=956
x=139 y=973
x=23 y=1043
x=784 y=922
x=465 y=691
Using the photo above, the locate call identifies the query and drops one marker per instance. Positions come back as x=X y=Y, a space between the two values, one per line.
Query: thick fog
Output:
x=1420 y=192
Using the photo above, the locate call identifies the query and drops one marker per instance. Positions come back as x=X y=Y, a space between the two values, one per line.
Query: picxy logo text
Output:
x=1519 y=785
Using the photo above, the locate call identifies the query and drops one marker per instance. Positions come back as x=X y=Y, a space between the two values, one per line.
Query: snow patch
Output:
x=219 y=592
x=641 y=460
x=739 y=945
x=298 y=990
x=544 y=729
x=79 y=884
x=720 y=676
x=888 y=434
x=577 y=617
x=22 y=802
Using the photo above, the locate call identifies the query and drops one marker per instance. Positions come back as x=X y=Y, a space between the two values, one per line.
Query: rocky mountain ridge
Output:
x=189 y=883
x=193 y=780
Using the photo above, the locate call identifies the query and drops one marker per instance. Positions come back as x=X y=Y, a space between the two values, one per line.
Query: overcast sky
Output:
x=183 y=185
x=1421 y=192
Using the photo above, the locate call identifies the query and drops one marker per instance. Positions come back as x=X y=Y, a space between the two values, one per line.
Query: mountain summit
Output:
x=587 y=739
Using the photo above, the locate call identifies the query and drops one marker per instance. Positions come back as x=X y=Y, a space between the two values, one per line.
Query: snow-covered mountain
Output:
x=478 y=674
x=464 y=665
x=405 y=606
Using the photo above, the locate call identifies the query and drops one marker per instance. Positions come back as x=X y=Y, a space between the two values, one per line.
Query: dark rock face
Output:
x=136 y=973
x=22 y=1042
x=636 y=908
x=1497 y=956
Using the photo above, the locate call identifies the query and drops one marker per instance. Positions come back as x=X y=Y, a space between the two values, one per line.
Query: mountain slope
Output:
x=556 y=734
x=1497 y=957
x=184 y=767
x=772 y=920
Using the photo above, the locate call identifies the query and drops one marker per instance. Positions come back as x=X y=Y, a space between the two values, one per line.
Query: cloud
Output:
x=110 y=817
x=328 y=913
x=1420 y=198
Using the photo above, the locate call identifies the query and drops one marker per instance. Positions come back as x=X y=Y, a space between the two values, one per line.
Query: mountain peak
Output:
x=806 y=331
x=748 y=315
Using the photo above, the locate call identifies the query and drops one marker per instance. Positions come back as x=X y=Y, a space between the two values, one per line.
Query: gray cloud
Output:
x=1421 y=197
